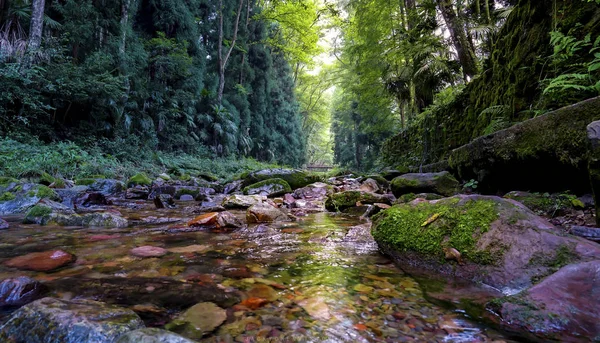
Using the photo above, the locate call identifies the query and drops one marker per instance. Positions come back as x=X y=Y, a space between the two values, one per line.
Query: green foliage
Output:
x=7 y=196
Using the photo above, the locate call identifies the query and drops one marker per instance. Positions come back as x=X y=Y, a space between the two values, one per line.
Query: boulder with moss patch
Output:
x=104 y=219
x=140 y=179
x=547 y=204
x=440 y=183
x=45 y=210
x=294 y=177
x=270 y=188
x=21 y=197
x=503 y=244
x=343 y=200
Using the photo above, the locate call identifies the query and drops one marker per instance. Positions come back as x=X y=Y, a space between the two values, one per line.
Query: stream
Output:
x=303 y=281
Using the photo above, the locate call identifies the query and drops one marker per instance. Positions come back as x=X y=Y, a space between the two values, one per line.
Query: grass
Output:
x=68 y=160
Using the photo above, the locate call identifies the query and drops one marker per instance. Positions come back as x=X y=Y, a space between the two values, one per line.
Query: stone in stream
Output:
x=20 y=290
x=45 y=261
x=344 y=200
x=133 y=291
x=269 y=188
x=186 y=197
x=565 y=304
x=317 y=190
x=216 y=221
x=440 y=183
x=137 y=192
x=19 y=198
x=107 y=187
x=104 y=219
x=265 y=213
x=50 y=320
x=198 y=320
x=152 y=335
x=148 y=251
x=3 y=224
x=316 y=308
x=164 y=201
x=242 y=201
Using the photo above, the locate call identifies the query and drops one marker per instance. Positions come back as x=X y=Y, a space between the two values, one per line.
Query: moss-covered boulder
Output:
x=270 y=188
x=343 y=200
x=53 y=320
x=440 y=183
x=294 y=177
x=140 y=179
x=19 y=198
x=265 y=213
x=45 y=210
x=489 y=240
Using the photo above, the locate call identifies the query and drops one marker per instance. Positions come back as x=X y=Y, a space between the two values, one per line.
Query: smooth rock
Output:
x=41 y=261
x=343 y=200
x=50 y=320
x=198 y=320
x=152 y=335
x=104 y=219
x=265 y=213
x=20 y=290
x=107 y=187
x=3 y=224
x=216 y=221
x=186 y=197
x=148 y=251
x=316 y=308
x=242 y=201
x=440 y=183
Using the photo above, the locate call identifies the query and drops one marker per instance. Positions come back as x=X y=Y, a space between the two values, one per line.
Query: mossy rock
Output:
x=440 y=183
x=46 y=179
x=340 y=201
x=294 y=177
x=5 y=181
x=270 y=188
x=502 y=243
x=43 y=192
x=140 y=179
x=85 y=182
x=547 y=204
x=45 y=210
x=411 y=196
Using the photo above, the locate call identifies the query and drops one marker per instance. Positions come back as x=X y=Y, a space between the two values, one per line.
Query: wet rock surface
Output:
x=439 y=183
x=50 y=320
x=152 y=335
x=41 y=261
x=20 y=291
x=3 y=224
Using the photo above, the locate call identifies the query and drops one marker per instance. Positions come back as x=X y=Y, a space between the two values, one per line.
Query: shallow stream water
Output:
x=301 y=281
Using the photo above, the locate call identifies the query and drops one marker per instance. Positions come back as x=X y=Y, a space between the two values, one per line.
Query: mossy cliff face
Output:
x=501 y=242
x=510 y=79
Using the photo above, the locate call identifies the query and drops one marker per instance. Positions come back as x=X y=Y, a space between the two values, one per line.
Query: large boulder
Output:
x=484 y=239
x=242 y=201
x=270 y=188
x=265 y=213
x=440 y=183
x=294 y=177
x=564 y=306
x=107 y=187
x=21 y=290
x=152 y=335
x=44 y=210
x=140 y=179
x=19 y=198
x=50 y=320
x=343 y=200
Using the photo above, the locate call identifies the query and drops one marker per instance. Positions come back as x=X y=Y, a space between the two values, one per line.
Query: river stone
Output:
x=107 y=187
x=40 y=213
x=370 y=185
x=316 y=308
x=216 y=221
x=268 y=188
x=45 y=261
x=198 y=320
x=50 y=320
x=164 y=201
x=565 y=304
x=148 y=251
x=3 y=224
x=265 y=213
x=71 y=195
x=317 y=190
x=20 y=290
x=242 y=201
x=234 y=186
x=440 y=183
x=294 y=177
x=104 y=219
x=152 y=335
x=343 y=200
x=186 y=197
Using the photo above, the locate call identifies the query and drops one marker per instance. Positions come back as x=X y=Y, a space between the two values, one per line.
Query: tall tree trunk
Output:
x=37 y=24
x=466 y=54
x=222 y=60
x=124 y=21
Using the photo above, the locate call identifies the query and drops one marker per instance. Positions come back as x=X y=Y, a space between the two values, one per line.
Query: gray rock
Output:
x=242 y=201
x=104 y=219
x=440 y=183
x=186 y=197
x=3 y=224
x=20 y=290
x=50 y=320
x=108 y=187
x=198 y=320
x=265 y=213
x=24 y=197
x=152 y=335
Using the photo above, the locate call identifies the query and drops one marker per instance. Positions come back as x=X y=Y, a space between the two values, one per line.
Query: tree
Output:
x=36 y=25
x=462 y=43
x=222 y=60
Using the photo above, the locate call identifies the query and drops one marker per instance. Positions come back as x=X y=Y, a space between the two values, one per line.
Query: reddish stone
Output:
x=254 y=303
x=41 y=261
x=207 y=219
x=148 y=251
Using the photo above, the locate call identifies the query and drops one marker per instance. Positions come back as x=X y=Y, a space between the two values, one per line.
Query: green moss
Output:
x=407 y=198
x=5 y=181
x=274 y=186
x=38 y=211
x=46 y=193
x=85 y=182
x=546 y=204
x=184 y=177
x=97 y=176
x=457 y=226
x=7 y=196
x=139 y=179
x=46 y=179
x=343 y=200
